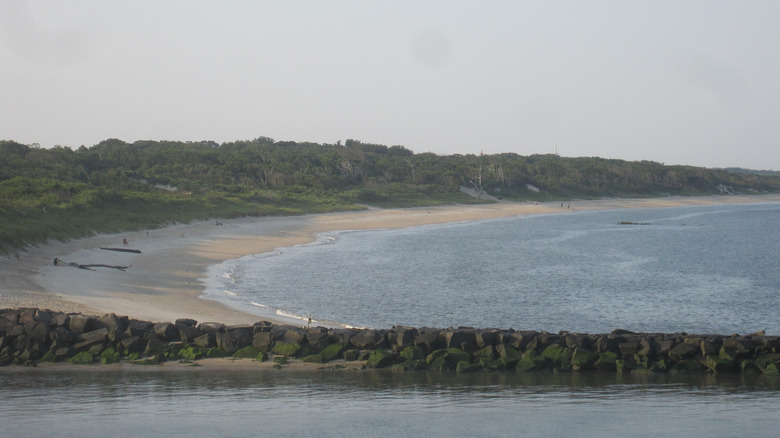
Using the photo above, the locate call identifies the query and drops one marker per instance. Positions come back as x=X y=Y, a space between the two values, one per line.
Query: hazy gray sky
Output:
x=680 y=82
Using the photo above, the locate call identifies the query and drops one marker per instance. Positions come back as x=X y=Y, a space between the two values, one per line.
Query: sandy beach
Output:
x=164 y=282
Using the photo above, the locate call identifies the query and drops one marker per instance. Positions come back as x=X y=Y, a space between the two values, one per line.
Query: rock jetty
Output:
x=29 y=336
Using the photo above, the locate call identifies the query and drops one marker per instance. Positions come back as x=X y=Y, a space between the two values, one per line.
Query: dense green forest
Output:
x=112 y=186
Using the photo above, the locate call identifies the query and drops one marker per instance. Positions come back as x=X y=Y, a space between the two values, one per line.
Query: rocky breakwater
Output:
x=30 y=336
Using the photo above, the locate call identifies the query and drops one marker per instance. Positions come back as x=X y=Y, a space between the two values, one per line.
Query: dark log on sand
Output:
x=136 y=251
x=89 y=267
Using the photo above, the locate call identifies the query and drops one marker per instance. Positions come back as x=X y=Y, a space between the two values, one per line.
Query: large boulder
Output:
x=112 y=322
x=262 y=341
x=401 y=337
x=91 y=339
x=683 y=351
x=429 y=339
x=138 y=328
x=37 y=330
x=483 y=338
x=166 y=332
x=81 y=323
x=188 y=333
x=206 y=340
x=368 y=339
x=62 y=335
x=458 y=337
x=234 y=338
x=317 y=337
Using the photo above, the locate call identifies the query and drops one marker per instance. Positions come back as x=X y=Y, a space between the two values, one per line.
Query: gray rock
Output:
x=262 y=341
x=368 y=339
x=166 y=331
x=211 y=327
x=37 y=330
x=62 y=335
x=429 y=340
x=206 y=340
x=456 y=338
x=185 y=322
x=89 y=339
x=318 y=337
x=189 y=333
x=112 y=322
x=132 y=344
x=138 y=328
x=80 y=323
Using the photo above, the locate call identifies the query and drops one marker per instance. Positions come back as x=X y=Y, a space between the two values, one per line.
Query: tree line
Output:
x=264 y=176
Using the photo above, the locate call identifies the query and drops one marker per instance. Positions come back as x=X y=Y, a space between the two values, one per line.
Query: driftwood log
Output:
x=136 y=251
x=89 y=267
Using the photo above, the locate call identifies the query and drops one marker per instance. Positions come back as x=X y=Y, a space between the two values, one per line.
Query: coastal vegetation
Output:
x=62 y=193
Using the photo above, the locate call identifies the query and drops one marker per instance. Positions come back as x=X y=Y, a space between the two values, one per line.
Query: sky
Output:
x=677 y=82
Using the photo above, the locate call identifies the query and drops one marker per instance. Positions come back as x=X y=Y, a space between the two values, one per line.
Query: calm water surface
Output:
x=360 y=404
x=710 y=269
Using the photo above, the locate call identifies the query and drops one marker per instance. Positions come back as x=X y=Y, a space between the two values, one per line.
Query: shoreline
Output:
x=166 y=281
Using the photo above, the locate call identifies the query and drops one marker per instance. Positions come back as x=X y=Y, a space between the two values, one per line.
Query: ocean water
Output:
x=696 y=269
x=701 y=269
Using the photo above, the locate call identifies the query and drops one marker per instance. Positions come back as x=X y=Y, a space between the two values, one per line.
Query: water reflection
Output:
x=337 y=403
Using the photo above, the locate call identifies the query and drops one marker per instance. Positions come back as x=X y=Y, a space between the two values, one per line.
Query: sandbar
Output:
x=165 y=281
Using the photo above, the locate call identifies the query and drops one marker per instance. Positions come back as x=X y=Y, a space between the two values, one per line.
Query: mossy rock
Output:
x=154 y=360
x=583 y=359
x=262 y=356
x=625 y=366
x=508 y=352
x=50 y=356
x=486 y=352
x=191 y=353
x=285 y=349
x=436 y=354
x=412 y=352
x=246 y=353
x=414 y=365
x=109 y=355
x=83 y=358
x=313 y=358
x=748 y=366
x=688 y=366
x=767 y=359
x=216 y=352
x=280 y=360
x=607 y=361
x=720 y=366
x=380 y=359
x=493 y=364
x=771 y=370
x=642 y=371
x=5 y=360
x=531 y=362
x=350 y=355
x=466 y=367
x=456 y=355
x=364 y=355
x=559 y=356
x=660 y=366
x=440 y=364
x=332 y=351
x=133 y=356
x=174 y=350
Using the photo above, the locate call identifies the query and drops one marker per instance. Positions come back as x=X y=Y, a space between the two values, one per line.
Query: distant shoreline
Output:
x=164 y=282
